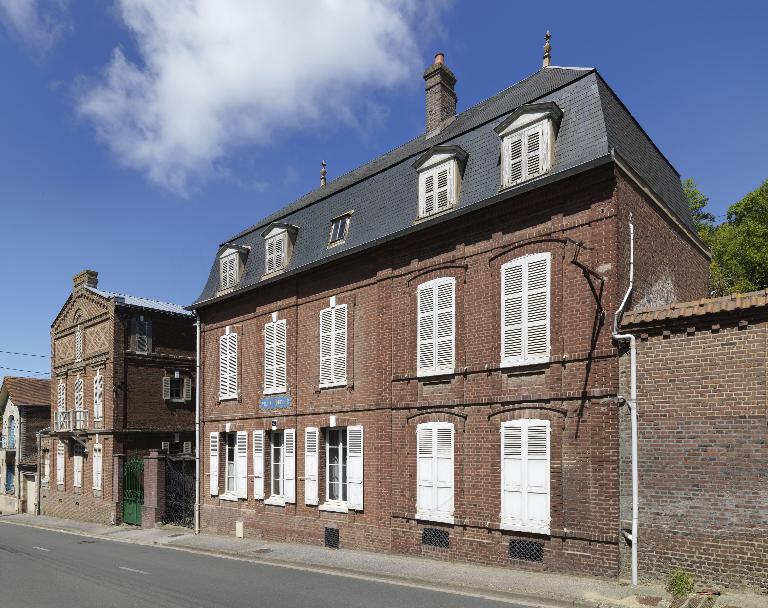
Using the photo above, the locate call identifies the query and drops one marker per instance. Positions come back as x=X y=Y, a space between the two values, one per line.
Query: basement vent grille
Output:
x=528 y=550
x=332 y=538
x=435 y=537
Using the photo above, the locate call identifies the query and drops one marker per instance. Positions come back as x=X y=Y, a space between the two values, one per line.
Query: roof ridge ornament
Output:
x=323 y=173
x=547 y=50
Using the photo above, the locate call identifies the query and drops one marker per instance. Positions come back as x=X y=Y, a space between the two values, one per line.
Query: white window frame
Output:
x=77 y=466
x=432 y=317
x=235 y=466
x=229 y=270
x=429 y=175
x=98 y=466
x=333 y=346
x=524 y=523
x=339 y=504
x=276 y=252
x=524 y=127
x=523 y=264
x=342 y=236
x=275 y=356
x=228 y=355
x=98 y=396
x=276 y=498
x=446 y=516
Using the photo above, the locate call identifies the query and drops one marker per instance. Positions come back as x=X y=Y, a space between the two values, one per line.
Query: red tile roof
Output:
x=29 y=391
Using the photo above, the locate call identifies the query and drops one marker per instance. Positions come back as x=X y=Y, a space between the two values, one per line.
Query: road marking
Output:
x=132 y=570
x=42 y=549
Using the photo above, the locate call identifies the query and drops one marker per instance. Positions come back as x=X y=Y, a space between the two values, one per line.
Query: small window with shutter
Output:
x=435 y=330
x=434 y=471
x=276 y=251
x=275 y=357
x=525 y=310
x=525 y=468
x=229 y=271
x=228 y=366
x=525 y=154
x=333 y=346
x=437 y=189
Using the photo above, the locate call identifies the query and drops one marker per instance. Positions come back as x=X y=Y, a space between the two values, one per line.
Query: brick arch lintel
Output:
x=463 y=267
x=462 y=417
x=564 y=241
x=529 y=406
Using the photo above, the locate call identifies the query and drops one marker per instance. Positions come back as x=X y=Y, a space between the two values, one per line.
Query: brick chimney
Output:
x=86 y=278
x=441 y=98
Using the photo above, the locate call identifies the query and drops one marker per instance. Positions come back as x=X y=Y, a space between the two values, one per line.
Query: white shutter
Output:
x=355 y=467
x=61 y=396
x=340 y=344
x=270 y=262
x=213 y=459
x=437 y=188
x=275 y=356
x=142 y=343
x=435 y=446
x=279 y=252
x=311 y=450
x=166 y=387
x=427 y=192
x=258 y=464
x=525 y=309
x=514 y=165
x=232 y=385
x=445 y=182
x=326 y=347
x=241 y=465
x=525 y=475
x=59 y=463
x=425 y=465
x=269 y=357
x=436 y=326
x=280 y=355
x=97 y=467
x=534 y=150
x=228 y=366
x=77 y=467
x=444 y=469
x=289 y=468
x=79 y=393
x=78 y=343
x=98 y=396
x=187 y=389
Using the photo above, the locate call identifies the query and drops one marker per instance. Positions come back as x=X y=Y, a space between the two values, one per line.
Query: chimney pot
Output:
x=441 y=96
x=86 y=278
x=440 y=58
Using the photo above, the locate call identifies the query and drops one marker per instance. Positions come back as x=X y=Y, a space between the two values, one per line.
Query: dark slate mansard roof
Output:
x=384 y=192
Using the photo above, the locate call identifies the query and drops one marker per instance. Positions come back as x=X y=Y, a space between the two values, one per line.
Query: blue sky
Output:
x=135 y=136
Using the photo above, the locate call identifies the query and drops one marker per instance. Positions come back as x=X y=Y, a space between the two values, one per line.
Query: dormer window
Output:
x=279 y=239
x=339 y=229
x=232 y=259
x=440 y=170
x=528 y=142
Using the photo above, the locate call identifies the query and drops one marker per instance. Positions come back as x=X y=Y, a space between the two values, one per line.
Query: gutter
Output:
x=632 y=401
x=197 y=425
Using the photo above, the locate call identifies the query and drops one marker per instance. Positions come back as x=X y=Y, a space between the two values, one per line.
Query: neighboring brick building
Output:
x=368 y=349
x=24 y=411
x=123 y=380
x=703 y=439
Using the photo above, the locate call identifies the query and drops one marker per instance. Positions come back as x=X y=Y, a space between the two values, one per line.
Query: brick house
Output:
x=415 y=357
x=702 y=375
x=123 y=384
x=24 y=410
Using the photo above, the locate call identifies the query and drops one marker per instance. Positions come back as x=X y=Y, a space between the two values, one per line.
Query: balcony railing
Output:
x=71 y=420
x=7 y=443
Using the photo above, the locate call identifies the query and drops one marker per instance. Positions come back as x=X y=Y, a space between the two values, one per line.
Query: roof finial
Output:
x=547 y=50
x=322 y=174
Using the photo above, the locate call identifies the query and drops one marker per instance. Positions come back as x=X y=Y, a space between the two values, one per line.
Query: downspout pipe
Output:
x=197 y=425
x=40 y=467
x=632 y=401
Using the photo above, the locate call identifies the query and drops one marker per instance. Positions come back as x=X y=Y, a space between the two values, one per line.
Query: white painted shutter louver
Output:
x=326 y=346
x=289 y=468
x=436 y=326
x=525 y=309
x=166 y=387
x=187 y=389
x=98 y=396
x=279 y=252
x=270 y=263
x=258 y=464
x=228 y=366
x=525 y=453
x=61 y=396
x=355 y=467
x=434 y=446
x=533 y=151
x=97 y=467
x=333 y=345
x=79 y=394
x=311 y=451
x=78 y=343
x=514 y=166
x=425 y=464
x=213 y=458
x=444 y=469
x=275 y=356
x=241 y=465
x=437 y=189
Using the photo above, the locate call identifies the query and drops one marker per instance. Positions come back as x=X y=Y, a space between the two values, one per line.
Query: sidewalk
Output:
x=535 y=589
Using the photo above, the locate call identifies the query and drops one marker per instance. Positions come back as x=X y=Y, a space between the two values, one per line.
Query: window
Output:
x=79 y=343
x=79 y=401
x=336 y=465
x=142 y=335
x=436 y=327
x=177 y=388
x=437 y=189
x=525 y=286
x=343 y=468
x=276 y=252
x=229 y=271
x=77 y=466
x=229 y=485
x=283 y=467
x=339 y=228
x=61 y=395
x=333 y=345
x=525 y=463
x=97 y=466
x=258 y=464
x=434 y=471
x=60 y=463
x=274 y=356
x=213 y=463
x=46 y=466
x=228 y=366
x=98 y=396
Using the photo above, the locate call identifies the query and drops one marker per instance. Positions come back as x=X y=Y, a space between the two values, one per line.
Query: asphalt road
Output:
x=43 y=568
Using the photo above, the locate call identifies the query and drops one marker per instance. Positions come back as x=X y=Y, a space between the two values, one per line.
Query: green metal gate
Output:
x=133 y=491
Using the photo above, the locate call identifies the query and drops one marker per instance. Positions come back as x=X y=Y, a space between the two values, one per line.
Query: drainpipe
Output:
x=38 y=483
x=197 y=426
x=632 y=401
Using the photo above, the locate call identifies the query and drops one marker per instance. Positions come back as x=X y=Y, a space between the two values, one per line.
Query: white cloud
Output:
x=37 y=23
x=216 y=74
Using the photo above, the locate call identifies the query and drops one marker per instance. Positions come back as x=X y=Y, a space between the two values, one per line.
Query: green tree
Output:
x=740 y=246
x=697 y=203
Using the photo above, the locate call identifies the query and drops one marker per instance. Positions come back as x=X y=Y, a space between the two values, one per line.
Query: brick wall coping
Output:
x=698 y=308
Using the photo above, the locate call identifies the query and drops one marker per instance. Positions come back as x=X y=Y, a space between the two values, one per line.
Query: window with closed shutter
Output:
x=436 y=327
x=275 y=357
x=77 y=466
x=258 y=464
x=98 y=396
x=437 y=189
x=333 y=346
x=97 y=467
x=213 y=463
x=228 y=366
x=61 y=396
x=311 y=457
x=525 y=154
x=525 y=474
x=228 y=271
x=434 y=471
x=241 y=465
x=59 y=463
x=275 y=253
x=525 y=310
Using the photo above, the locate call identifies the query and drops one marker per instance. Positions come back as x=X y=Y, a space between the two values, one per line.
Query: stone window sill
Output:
x=334 y=507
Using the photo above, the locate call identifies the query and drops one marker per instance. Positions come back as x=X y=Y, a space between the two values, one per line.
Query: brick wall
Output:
x=577 y=221
x=703 y=440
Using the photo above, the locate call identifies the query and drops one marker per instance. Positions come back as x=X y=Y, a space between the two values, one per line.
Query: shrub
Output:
x=679 y=582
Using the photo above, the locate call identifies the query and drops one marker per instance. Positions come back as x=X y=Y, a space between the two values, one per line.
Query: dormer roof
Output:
x=531 y=112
